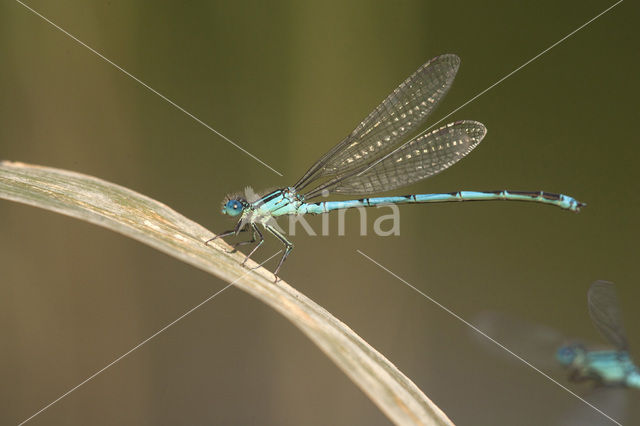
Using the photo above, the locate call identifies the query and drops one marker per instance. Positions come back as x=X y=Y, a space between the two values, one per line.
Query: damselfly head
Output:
x=568 y=353
x=233 y=205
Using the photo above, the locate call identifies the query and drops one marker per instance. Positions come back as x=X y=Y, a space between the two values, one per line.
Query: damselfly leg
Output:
x=260 y=241
x=288 y=247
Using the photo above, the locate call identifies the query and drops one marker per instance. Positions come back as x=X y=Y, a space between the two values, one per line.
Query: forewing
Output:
x=403 y=111
x=604 y=310
x=534 y=342
x=420 y=158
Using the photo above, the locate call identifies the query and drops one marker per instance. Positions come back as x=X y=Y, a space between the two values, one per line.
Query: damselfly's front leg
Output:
x=239 y=228
x=288 y=247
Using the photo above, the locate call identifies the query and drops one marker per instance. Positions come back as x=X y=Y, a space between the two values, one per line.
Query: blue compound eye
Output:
x=233 y=208
x=566 y=355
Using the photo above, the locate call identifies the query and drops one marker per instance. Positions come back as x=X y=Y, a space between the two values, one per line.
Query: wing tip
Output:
x=451 y=60
x=447 y=57
x=473 y=128
x=600 y=284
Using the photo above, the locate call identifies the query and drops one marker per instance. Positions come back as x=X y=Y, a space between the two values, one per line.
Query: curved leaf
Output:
x=153 y=223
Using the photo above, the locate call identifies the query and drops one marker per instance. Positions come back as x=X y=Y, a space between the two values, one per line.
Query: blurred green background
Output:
x=286 y=81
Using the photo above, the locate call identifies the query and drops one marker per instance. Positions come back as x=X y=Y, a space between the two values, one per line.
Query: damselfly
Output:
x=537 y=343
x=608 y=367
x=365 y=162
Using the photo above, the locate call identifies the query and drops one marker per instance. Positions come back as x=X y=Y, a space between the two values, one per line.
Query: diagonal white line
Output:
x=476 y=329
x=145 y=85
x=141 y=343
x=494 y=85
x=525 y=64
